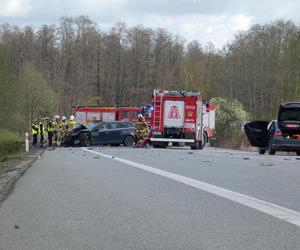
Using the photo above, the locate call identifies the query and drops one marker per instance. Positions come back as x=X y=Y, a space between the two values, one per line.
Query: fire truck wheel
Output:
x=160 y=145
x=205 y=138
x=128 y=141
x=197 y=145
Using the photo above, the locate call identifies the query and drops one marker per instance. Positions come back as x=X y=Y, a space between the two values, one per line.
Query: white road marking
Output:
x=272 y=209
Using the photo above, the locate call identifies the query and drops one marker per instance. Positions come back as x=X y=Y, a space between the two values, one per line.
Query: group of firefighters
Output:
x=55 y=130
x=52 y=130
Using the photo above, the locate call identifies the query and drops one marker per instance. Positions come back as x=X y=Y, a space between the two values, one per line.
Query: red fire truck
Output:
x=94 y=114
x=179 y=117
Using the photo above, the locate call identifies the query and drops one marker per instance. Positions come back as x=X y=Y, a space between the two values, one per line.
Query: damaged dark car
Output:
x=282 y=134
x=113 y=133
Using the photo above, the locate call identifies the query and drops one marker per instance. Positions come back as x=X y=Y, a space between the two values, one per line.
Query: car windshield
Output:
x=290 y=115
x=90 y=126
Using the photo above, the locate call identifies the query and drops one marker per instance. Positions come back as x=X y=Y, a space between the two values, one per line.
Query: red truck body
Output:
x=94 y=114
x=177 y=117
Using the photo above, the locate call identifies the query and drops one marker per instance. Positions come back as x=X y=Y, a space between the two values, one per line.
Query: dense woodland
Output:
x=49 y=69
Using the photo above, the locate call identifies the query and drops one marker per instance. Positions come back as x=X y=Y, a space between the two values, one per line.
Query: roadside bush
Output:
x=229 y=117
x=9 y=143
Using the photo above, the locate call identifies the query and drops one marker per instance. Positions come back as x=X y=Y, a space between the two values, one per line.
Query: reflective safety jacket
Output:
x=141 y=126
x=41 y=128
x=50 y=126
x=64 y=126
x=57 y=126
x=72 y=125
x=34 y=129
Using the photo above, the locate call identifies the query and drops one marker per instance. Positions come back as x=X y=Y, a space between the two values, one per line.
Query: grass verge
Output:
x=10 y=144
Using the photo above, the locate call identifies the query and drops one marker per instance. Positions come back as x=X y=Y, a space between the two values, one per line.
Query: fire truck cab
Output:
x=178 y=118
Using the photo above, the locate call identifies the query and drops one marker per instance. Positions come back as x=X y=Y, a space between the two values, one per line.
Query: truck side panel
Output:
x=190 y=116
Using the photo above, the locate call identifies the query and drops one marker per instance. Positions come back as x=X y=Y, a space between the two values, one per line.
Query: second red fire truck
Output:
x=94 y=114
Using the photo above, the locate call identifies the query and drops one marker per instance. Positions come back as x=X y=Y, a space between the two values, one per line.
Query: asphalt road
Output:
x=74 y=199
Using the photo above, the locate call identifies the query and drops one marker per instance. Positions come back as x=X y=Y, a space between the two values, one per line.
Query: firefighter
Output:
x=50 y=130
x=64 y=127
x=57 y=130
x=141 y=127
x=34 y=132
x=72 y=123
x=41 y=132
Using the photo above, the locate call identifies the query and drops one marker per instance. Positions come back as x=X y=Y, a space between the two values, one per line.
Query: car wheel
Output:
x=298 y=153
x=261 y=151
x=128 y=141
x=88 y=141
x=85 y=140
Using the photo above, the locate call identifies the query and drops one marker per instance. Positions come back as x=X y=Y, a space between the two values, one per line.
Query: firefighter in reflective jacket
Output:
x=50 y=129
x=72 y=123
x=64 y=127
x=41 y=132
x=141 y=127
x=34 y=132
x=57 y=130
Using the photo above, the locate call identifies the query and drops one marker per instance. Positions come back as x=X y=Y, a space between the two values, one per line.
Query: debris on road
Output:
x=266 y=164
x=246 y=158
x=17 y=227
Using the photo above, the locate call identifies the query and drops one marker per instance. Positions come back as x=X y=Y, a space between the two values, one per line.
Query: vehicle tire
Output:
x=128 y=141
x=88 y=141
x=155 y=145
x=205 y=139
x=298 y=153
x=82 y=140
x=195 y=146
x=271 y=151
x=164 y=145
x=261 y=151
x=85 y=140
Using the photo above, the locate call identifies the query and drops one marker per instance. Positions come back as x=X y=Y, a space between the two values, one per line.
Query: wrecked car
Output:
x=113 y=133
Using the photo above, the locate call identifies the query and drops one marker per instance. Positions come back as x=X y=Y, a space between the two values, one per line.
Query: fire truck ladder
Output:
x=157 y=109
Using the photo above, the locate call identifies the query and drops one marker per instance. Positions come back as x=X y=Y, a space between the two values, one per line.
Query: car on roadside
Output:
x=113 y=133
x=282 y=134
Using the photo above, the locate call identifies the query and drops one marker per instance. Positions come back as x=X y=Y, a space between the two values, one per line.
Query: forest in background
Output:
x=49 y=69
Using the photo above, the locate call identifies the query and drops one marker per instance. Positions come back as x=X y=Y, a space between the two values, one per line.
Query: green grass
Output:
x=10 y=143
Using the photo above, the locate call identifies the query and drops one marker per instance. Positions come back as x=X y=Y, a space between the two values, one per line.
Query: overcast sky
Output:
x=202 y=20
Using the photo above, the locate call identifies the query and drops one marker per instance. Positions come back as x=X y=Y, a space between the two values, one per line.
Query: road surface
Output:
x=124 y=198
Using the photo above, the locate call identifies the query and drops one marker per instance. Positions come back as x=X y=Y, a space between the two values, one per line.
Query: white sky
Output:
x=202 y=20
